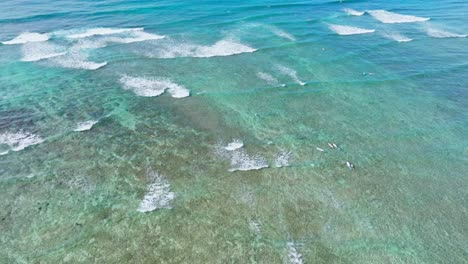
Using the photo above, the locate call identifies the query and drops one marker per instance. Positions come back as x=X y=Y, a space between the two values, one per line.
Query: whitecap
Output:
x=255 y=227
x=397 y=37
x=291 y=73
x=392 y=18
x=235 y=144
x=158 y=195
x=76 y=59
x=348 y=30
x=149 y=87
x=438 y=33
x=20 y=140
x=294 y=256
x=101 y=31
x=353 y=12
x=282 y=160
x=135 y=36
x=86 y=125
x=268 y=78
x=281 y=33
x=241 y=161
x=27 y=37
x=4 y=152
x=73 y=63
x=221 y=48
x=39 y=51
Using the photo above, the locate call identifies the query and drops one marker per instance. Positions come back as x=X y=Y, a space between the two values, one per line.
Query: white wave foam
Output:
x=438 y=33
x=397 y=37
x=153 y=87
x=178 y=91
x=221 y=48
x=70 y=62
x=39 y=51
x=348 y=30
x=135 y=36
x=101 y=31
x=392 y=18
x=353 y=12
x=241 y=161
x=235 y=144
x=291 y=73
x=268 y=78
x=255 y=227
x=86 y=125
x=294 y=256
x=20 y=140
x=4 y=152
x=282 y=160
x=158 y=195
x=76 y=59
x=281 y=33
x=27 y=37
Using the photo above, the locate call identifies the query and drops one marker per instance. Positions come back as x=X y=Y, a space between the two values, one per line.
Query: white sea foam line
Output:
x=150 y=87
x=241 y=161
x=291 y=73
x=101 y=32
x=76 y=59
x=235 y=144
x=353 y=12
x=20 y=140
x=281 y=33
x=397 y=37
x=294 y=256
x=158 y=195
x=225 y=47
x=282 y=159
x=392 y=18
x=348 y=30
x=438 y=33
x=39 y=51
x=86 y=125
x=27 y=37
x=268 y=78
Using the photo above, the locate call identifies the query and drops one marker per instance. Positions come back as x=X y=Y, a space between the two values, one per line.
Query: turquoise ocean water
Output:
x=233 y=131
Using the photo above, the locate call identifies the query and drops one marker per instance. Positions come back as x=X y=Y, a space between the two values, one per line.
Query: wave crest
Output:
x=393 y=18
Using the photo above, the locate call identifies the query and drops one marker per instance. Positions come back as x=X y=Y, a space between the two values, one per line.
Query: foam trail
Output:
x=291 y=73
x=268 y=78
x=255 y=227
x=235 y=144
x=281 y=33
x=397 y=37
x=19 y=141
x=27 y=37
x=76 y=59
x=353 y=12
x=39 y=51
x=101 y=32
x=348 y=30
x=86 y=125
x=219 y=49
x=4 y=152
x=241 y=161
x=282 y=160
x=392 y=18
x=294 y=256
x=137 y=36
x=75 y=63
x=158 y=195
x=437 y=33
x=153 y=87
